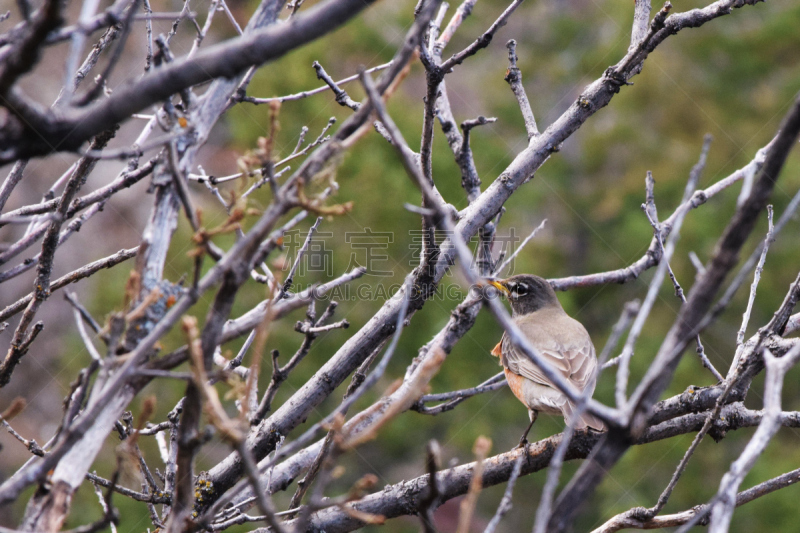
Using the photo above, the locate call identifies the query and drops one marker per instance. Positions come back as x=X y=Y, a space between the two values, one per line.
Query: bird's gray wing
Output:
x=573 y=357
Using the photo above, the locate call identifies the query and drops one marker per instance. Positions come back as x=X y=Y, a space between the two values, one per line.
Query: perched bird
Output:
x=559 y=338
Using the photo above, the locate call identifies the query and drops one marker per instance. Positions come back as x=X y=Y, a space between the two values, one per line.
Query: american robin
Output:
x=559 y=338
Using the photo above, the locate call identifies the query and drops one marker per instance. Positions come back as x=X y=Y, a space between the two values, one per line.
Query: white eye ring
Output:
x=518 y=289
x=512 y=290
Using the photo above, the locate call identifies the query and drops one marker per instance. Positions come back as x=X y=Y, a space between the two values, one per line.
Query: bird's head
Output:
x=527 y=293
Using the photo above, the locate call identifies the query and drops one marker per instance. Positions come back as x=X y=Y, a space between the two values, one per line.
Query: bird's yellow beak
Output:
x=499 y=286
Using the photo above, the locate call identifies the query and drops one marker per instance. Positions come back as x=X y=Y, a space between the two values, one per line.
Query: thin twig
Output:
x=80 y=314
x=300 y=253
x=342 y=98
x=756 y=278
x=482 y=41
x=514 y=79
x=513 y=256
x=305 y=94
x=452 y=399
x=72 y=277
x=505 y=503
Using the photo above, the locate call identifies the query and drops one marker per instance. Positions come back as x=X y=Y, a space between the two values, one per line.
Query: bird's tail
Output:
x=585 y=420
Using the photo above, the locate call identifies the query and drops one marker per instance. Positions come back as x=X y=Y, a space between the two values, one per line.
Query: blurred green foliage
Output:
x=733 y=78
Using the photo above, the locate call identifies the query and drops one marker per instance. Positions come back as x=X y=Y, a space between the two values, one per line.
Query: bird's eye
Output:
x=512 y=289
x=517 y=290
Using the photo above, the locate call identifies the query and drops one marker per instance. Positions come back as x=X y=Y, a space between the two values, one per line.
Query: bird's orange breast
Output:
x=516 y=383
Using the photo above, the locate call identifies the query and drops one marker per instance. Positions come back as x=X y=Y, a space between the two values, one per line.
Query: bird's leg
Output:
x=524 y=440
